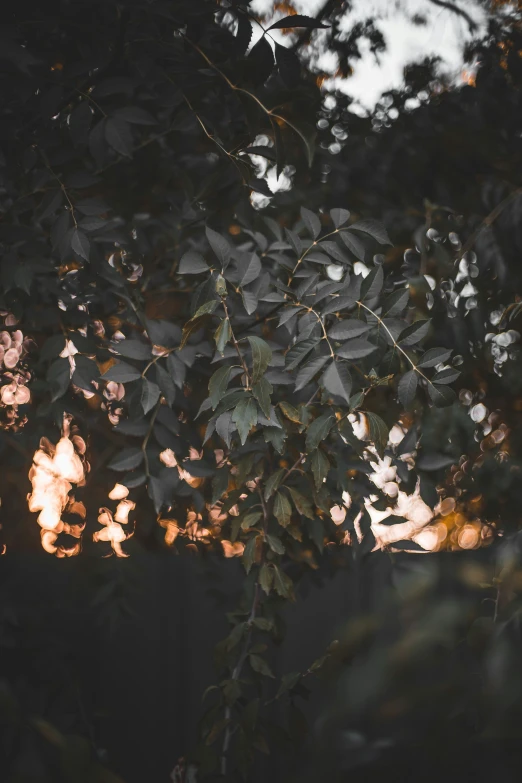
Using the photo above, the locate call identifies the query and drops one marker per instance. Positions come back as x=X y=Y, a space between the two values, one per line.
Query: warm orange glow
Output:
x=469 y=78
x=338 y=514
x=118 y=492
x=235 y=549
x=55 y=469
x=171 y=530
x=112 y=530
x=469 y=537
x=168 y=458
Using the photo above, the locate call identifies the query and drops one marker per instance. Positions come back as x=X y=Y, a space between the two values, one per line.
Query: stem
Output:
x=236 y=344
x=395 y=344
x=147 y=437
x=294 y=466
x=236 y=674
x=488 y=220
x=325 y=336
x=212 y=138
x=94 y=103
x=156 y=358
x=62 y=186
x=251 y=95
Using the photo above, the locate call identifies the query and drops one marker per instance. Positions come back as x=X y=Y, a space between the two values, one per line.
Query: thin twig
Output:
x=488 y=221
x=235 y=343
x=59 y=181
x=395 y=344
x=147 y=437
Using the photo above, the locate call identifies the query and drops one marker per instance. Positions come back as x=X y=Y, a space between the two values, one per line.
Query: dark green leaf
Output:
x=302 y=503
x=251 y=271
x=132 y=349
x=379 y=431
x=414 y=333
x=260 y=666
x=372 y=284
x=441 y=396
x=80 y=244
x=119 y=136
x=275 y=544
x=282 y=583
x=250 y=553
x=272 y=483
x=318 y=430
x=407 y=388
x=434 y=356
x=289 y=65
x=218 y=384
x=287 y=314
x=395 y=303
x=297 y=20
x=320 y=465
x=219 y=245
x=266 y=578
x=127 y=459
x=356 y=349
x=261 y=58
x=309 y=370
x=261 y=357
x=339 y=216
x=338 y=381
x=165 y=383
x=149 y=395
x=245 y=417
x=297 y=353
x=282 y=509
x=354 y=244
x=262 y=391
x=250 y=301
x=192 y=263
x=222 y=335
x=346 y=330
x=121 y=373
x=311 y=221
x=448 y=375
x=59 y=377
x=374 y=229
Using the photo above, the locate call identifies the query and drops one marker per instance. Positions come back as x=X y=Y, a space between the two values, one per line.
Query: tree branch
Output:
x=458 y=11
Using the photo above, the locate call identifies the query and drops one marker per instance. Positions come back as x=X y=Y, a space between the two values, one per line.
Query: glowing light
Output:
x=338 y=514
x=112 y=531
x=54 y=470
x=172 y=530
x=235 y=549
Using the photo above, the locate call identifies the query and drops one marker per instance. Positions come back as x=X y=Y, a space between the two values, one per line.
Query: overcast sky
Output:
x=444 y=35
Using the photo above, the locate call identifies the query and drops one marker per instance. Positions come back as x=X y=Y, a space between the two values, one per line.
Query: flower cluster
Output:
x=501 y=342
x=54 y=471
x=112 y=530
x=13 y=390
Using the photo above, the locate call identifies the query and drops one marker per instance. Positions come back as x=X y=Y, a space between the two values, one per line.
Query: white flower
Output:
x=338 y=514
x=478 y=412
x=384 y=472
x=360 y=269
x=396 y=435
x=469 y=290
x=335 y=271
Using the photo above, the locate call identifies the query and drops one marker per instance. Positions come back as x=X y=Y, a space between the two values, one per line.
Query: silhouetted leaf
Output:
x=297 y=20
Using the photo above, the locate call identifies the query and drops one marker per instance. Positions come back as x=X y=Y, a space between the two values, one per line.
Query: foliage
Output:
x=270 y=385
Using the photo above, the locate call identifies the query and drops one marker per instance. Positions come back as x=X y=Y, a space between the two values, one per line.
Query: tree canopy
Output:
x=297 y=378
